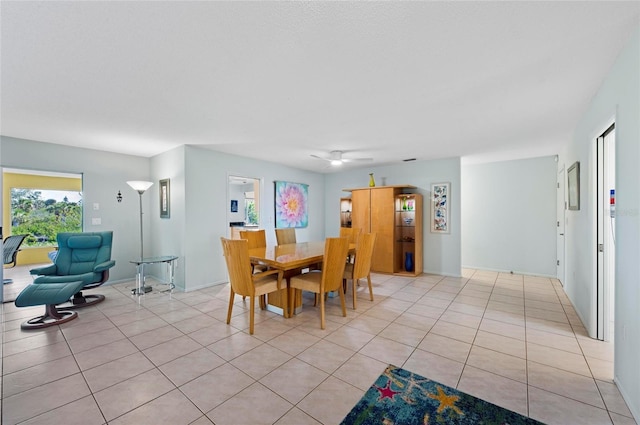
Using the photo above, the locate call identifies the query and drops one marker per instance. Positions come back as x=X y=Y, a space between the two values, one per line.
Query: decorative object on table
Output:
x=291 y=204
x=165 y=198
x=440 y=207
x=234 y=205
x=372 y=182
x=408 y=261
x=573 y=181
x=401 y=397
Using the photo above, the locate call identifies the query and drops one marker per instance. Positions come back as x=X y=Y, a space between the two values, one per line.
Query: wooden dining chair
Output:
x=255 y=239
x=244 y=282
x=285 y=236
x=352 y=233
x=326 y=280
x=361 y=267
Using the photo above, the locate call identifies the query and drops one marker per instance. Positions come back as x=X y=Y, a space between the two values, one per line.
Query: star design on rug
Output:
x=446 y=401
x=386 y=392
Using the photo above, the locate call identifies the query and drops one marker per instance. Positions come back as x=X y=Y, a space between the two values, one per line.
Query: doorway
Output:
x=605 y=230
x=561 y=206
x=243 y=202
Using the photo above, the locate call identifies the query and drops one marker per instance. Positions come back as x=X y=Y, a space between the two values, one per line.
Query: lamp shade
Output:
x=140 y=185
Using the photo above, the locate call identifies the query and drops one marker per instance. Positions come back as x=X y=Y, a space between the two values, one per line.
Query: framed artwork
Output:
x=234 y=205
x=573 y=181
x=165 y=200
x=440 y=207
x=291 y=204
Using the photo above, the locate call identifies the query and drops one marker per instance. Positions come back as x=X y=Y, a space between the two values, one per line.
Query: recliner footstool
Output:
x=48 y=294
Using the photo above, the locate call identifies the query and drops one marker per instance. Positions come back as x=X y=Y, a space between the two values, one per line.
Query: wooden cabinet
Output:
x=375 y=210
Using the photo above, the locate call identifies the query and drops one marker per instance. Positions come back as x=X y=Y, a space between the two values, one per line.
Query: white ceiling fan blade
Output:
x=319 y=157
x=357 y=159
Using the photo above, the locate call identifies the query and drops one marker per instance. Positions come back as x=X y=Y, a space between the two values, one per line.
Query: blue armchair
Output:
x=82 y=257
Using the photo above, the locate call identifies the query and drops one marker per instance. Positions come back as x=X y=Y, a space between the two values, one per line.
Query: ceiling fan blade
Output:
x=357 y=159
x=319 y=157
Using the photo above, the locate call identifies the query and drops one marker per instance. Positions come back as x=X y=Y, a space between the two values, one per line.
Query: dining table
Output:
x=292 y=259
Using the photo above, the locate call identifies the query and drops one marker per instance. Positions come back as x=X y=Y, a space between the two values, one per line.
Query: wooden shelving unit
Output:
x=380 y=210
x=408 y=221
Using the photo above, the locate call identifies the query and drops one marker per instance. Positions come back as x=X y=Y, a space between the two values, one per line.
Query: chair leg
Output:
x=231 y=297
x=285 y=304
x=252 y=312
x=343 y=304
x=354 y=284
x=370 y=287
x=321 y=296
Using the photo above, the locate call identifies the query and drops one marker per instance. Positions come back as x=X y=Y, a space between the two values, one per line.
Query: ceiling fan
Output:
x=335 y=158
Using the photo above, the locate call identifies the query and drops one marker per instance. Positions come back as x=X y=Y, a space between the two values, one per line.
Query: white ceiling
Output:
x=280 y=81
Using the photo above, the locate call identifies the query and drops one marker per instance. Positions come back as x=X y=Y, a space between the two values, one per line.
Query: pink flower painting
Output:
x=291 y=204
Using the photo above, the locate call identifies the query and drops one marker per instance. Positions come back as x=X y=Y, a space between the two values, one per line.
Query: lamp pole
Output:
x=140 y=192
x=140 y=187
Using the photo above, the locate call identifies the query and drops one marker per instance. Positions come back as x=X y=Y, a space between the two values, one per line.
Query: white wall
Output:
x=442 y=252
x=619 y=98
x=509 y=216
x=167 y=234
x=103 y=175
x=207 y=212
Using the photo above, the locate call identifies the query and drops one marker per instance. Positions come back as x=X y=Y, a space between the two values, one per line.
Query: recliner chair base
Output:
x=48 y=294
x=51 y=317
x=81 y=301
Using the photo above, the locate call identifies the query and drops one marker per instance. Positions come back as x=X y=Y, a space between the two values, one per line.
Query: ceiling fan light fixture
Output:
x=336 y=162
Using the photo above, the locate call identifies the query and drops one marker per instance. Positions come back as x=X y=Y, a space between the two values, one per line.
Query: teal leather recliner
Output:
x=83 y=262
x=82 y=257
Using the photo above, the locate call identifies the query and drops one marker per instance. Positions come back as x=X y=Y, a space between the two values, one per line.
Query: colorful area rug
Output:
x=400 y=397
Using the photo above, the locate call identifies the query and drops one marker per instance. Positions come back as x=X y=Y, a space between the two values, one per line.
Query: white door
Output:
x=560 y=205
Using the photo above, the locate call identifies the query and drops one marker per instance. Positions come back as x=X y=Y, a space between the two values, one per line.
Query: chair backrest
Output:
x=350 y=232
x=236 y=255
x=285 y=236
x=364 y=252
x=255 y=238
x=11 y=246
x=335 y=251
x=78 y=253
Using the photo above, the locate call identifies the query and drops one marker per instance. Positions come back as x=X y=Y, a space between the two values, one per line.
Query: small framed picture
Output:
x=165 y=200
x=234 y=205
x=573 y=182
x=440 y=207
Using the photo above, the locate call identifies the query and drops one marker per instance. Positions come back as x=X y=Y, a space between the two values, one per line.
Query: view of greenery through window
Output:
x=42 y=214
x=251 y=216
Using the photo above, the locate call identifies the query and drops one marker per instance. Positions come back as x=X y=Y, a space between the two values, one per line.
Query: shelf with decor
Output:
x=408 y=224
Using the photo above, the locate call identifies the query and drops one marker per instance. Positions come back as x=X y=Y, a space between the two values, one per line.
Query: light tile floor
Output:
x=513 y=340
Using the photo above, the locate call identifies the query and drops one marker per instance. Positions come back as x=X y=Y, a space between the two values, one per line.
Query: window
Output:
x=250 y=213
x=42 y=214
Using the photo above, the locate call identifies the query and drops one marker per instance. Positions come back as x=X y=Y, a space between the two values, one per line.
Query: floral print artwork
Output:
x=291 y=203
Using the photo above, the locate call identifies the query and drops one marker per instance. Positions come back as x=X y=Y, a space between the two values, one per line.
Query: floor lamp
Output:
x=140 y=187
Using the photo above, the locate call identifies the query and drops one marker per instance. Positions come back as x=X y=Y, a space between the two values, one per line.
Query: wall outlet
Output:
x=96 y=221
x=96 y=206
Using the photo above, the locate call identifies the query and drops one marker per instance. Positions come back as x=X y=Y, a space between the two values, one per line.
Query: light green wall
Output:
x=617 y=99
